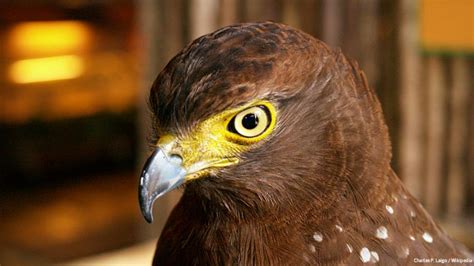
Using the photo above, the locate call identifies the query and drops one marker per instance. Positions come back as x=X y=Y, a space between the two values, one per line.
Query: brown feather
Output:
x=319 y=189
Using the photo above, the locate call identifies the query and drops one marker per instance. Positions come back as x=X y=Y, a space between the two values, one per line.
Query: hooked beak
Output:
x=173 y=163
x=161 y=174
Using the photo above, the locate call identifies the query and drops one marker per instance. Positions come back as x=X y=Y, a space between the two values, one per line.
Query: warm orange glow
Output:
x=447 y=25
x=49 y=37
x=46 y=69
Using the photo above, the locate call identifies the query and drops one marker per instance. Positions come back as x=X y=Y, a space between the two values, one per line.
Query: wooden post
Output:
x=410 y=99
x=291 y=14
x=367 y=40
x=310 y=15
x=332 y=22
x=204 y=18
x=260 y=10
x=470 y=143
x=435 y=151
x=228 y=10
x=351 y=29
x=457 y=136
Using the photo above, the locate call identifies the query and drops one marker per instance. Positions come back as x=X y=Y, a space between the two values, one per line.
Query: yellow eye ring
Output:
x=251 y=122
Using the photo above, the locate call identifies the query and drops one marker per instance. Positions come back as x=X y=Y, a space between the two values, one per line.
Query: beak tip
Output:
x=148 y=218
x=146 y=209
x=147 y=212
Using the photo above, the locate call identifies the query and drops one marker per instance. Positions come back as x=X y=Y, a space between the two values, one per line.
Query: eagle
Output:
x=284 y=156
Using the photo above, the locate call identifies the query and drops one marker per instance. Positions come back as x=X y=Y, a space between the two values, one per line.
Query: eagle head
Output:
x=263 y=120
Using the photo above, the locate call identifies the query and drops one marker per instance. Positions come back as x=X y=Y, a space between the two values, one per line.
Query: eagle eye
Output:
x=250 y=122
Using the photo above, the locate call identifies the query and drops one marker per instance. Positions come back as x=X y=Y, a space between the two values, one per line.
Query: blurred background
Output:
x=74 y=80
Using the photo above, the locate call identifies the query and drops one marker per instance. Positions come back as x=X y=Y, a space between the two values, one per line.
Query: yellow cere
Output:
x=211 y=145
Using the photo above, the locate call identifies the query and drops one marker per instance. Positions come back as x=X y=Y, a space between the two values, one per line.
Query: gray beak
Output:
x=161 y=174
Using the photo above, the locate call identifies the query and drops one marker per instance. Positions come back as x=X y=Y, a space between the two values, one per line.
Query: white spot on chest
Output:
x=411 y=237
x=349 y=248
x=365 y=255
x=427 y=237
x=389 y=209
x=318 y=237
x=405 y=252
x=381 y=232
x=374 y=256
x=339 y=228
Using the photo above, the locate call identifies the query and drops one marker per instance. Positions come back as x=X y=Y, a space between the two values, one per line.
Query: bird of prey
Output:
x=284 y=157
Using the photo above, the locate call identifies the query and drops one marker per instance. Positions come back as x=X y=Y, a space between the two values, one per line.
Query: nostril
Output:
x=175 y=159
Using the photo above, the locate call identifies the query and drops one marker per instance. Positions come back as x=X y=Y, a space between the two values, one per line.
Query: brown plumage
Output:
x=318 y=190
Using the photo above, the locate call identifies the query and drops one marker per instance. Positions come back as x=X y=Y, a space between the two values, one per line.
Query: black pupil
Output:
x=250 y=121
